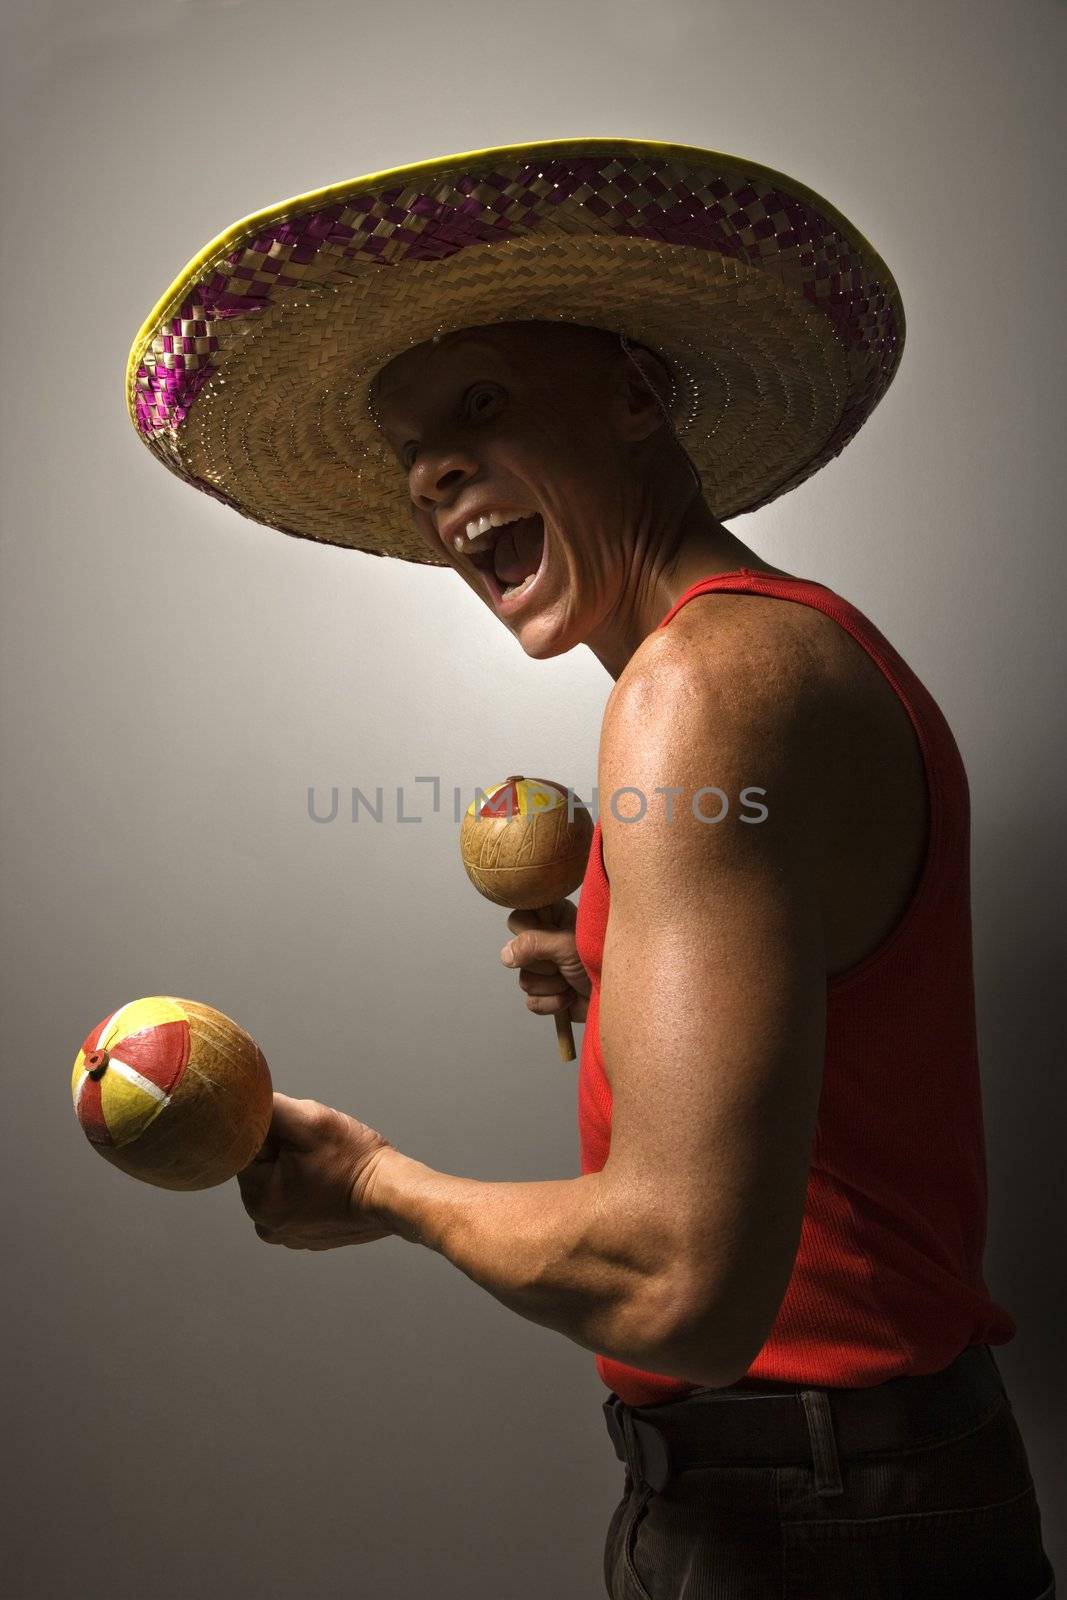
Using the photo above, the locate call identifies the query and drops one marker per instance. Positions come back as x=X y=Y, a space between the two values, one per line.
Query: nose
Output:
x=439 y=475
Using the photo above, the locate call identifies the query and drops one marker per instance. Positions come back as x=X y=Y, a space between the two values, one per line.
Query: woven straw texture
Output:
x=781 y=325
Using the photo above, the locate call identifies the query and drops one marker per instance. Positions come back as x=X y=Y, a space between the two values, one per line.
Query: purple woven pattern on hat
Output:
x=166 y=401
x=748 y=219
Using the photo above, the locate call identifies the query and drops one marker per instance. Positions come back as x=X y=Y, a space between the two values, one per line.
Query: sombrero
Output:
x=779 y=323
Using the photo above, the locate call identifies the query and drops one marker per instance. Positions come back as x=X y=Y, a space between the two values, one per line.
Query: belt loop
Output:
x=630 y=1446
x=996 y=1371
x=612 y=1409
x=640 y=1445
x=653 y=1453
x=621 y=1428
x=816 y=1403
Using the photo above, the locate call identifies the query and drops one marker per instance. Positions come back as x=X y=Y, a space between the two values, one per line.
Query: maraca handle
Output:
x=564 y=1034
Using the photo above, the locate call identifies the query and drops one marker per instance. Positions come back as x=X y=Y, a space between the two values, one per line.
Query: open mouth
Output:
x=511 y=567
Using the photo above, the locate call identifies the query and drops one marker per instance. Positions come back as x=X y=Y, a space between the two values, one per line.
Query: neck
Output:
x=702 y=548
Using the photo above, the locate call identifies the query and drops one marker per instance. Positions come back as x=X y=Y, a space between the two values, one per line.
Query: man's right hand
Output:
x=550 y=969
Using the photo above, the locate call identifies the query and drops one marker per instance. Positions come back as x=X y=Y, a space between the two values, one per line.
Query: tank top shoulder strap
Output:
x=746 y=580
x=922 y=709
x=948 y=841
x=925 y=716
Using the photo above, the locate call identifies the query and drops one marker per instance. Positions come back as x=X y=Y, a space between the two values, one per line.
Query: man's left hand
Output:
x=306 y=1187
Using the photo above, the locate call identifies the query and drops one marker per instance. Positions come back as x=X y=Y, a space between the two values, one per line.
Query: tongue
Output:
x=517 y=552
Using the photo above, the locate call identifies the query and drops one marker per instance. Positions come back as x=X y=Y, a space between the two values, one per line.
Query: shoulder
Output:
x=760 y=664
x=730 y=673
x=740 y=693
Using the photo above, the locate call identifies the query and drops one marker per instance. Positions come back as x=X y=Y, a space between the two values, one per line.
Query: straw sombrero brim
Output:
x=781 y=325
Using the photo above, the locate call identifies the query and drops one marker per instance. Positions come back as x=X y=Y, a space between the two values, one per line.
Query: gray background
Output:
x=192 y=1413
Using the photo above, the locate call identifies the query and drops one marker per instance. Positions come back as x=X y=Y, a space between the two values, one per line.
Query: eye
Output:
x=482 y=399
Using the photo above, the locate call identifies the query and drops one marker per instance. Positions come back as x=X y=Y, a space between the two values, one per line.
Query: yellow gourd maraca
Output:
x=523 y=847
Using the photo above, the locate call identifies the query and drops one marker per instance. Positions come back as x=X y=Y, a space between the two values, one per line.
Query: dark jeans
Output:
x=918 y=1489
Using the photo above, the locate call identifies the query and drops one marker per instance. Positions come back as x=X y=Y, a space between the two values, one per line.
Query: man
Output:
x=624 y=532
x=774 y=1254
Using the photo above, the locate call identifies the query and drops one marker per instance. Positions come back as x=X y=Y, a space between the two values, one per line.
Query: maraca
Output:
x=523 y=847
x=173 y=1093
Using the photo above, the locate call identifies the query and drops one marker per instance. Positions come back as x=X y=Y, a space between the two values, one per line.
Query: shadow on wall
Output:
x=1019 y=976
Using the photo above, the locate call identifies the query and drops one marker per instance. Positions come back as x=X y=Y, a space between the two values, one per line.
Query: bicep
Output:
x=712 y=1026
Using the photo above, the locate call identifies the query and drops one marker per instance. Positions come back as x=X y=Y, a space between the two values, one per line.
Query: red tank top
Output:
x=887 y=1279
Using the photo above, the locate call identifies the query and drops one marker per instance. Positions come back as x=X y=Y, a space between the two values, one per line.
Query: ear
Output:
x=643 y=394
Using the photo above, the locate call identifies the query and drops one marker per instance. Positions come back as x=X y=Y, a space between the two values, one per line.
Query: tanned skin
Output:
x=675 y=1257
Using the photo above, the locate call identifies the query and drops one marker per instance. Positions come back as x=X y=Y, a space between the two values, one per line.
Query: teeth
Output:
x=495 y=519
x=517 y=588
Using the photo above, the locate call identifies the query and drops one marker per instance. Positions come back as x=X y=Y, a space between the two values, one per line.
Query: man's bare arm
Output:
x=568 y=1254
x=675 y=1257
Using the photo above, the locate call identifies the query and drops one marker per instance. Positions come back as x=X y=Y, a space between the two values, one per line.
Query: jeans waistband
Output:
x=804 y=1425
